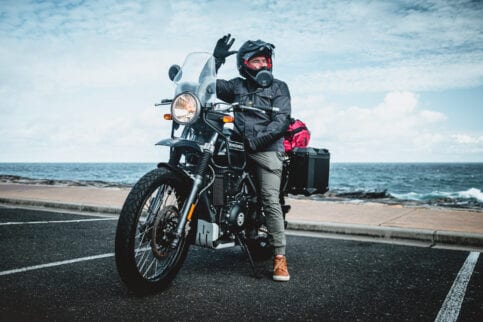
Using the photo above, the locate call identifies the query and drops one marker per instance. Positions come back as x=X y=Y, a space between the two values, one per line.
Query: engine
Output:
x=235 y=216
x=230 y=201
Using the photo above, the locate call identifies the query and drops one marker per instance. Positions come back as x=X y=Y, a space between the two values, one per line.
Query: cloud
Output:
x=86 y=138
x=86 y=74
x=464 y=147
x=428 y=74
x=467 y=139
x=352 y=47
x=346 y=46
x=395 y=129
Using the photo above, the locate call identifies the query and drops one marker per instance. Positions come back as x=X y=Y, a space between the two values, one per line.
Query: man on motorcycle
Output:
x=263 y=132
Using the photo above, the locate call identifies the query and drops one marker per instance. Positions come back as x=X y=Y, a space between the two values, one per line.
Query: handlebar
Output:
x=240 y=107
x=164 y=102
x=256 y=107
x=233 y=107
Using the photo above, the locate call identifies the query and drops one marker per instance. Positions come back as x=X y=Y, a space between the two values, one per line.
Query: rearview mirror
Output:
x=173 y=71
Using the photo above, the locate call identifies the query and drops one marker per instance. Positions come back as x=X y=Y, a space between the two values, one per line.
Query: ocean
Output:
x=455 y=185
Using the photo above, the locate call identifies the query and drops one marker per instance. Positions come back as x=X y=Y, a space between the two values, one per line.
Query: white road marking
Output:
x=53 y=221
x=70 y=261
x=452 y=304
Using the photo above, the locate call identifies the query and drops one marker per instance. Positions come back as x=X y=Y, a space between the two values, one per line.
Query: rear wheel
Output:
x=145 y=259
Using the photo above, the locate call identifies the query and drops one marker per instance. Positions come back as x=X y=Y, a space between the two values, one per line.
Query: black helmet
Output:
x=250 y=49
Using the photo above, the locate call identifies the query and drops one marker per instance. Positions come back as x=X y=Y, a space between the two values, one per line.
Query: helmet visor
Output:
x=259 y=50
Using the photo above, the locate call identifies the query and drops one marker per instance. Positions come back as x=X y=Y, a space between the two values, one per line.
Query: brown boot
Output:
x=280 y=270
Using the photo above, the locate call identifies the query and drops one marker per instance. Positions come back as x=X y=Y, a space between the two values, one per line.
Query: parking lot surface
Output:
x=60 y=266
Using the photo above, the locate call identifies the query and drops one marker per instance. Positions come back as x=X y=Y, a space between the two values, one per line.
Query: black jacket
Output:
x=263 y=131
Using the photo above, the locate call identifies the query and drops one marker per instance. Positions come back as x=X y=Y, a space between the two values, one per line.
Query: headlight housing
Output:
x=185 y=108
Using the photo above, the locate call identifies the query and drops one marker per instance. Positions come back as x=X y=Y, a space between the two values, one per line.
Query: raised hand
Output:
x=222 y=48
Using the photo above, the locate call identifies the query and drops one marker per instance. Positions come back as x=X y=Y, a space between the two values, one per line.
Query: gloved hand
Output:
x=249 y=146
x=260 y=142
x=222 y=48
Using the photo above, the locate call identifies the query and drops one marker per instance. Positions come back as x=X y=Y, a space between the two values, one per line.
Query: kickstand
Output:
x=243 y=244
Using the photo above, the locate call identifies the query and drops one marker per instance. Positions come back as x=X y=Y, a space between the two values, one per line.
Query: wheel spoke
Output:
x=149 y=265
x=142 y=261
x=155 y=203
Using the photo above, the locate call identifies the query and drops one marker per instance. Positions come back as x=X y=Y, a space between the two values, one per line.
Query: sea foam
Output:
x=472 y=193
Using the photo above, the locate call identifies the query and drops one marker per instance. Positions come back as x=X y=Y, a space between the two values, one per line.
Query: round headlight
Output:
x=185 y=108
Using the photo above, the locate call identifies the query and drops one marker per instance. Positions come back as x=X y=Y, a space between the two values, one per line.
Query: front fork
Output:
x=190 y=204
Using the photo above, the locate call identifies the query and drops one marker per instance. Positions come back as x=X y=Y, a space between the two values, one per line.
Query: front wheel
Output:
x=145 y=258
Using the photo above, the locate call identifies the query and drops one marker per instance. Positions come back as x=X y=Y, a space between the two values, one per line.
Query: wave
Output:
x=468 y=199
x=472 y=193
x=471 y=198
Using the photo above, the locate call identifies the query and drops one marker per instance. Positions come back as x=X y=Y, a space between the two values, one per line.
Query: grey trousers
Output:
x=268 y=167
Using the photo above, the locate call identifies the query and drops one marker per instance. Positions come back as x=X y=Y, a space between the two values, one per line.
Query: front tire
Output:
x=145 y=259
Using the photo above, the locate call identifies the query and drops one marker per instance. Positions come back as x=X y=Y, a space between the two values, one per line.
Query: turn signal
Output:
x=228 y=119
x=167 y=117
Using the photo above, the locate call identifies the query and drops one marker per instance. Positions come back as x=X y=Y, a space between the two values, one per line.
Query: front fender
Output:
x=180 y=173
x=181 y=144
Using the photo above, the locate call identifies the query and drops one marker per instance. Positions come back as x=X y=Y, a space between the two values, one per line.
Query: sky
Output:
x=375 y=81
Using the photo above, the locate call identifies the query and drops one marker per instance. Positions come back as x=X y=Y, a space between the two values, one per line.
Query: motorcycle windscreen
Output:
x=198 y=76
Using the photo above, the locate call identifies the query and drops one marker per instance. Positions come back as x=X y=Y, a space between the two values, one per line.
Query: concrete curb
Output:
x=432 y=237
x=458 y=238
x=60 y=205
x=363 y=230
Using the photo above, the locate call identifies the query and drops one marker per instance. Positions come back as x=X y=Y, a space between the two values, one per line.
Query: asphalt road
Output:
x=332 y=279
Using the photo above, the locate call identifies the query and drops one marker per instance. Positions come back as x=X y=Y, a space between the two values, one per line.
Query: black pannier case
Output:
x=308 y=171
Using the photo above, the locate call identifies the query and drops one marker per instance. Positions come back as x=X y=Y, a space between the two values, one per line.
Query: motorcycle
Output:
x=204 y=195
